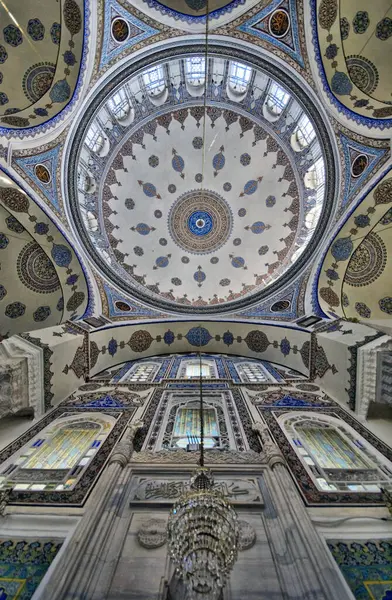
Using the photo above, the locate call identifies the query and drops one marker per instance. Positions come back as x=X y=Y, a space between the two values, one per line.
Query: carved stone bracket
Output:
x=124 y=449
x=270 y=448
x=366 y=388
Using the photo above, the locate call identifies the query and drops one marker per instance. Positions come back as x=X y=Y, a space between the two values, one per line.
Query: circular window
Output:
x=280 y=306
x=123 y=306
x=43 y=174
x=120 y=30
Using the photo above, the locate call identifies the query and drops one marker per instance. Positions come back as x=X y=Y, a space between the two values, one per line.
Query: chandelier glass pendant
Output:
x=203 y=531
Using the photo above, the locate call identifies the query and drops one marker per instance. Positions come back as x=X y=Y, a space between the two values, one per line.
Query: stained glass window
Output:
x=187 y=427
x=335 y=455
x=330 y=449
x=56 y=459
x=63 y=450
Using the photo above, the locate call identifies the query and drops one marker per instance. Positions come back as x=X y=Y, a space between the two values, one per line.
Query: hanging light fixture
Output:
x=203 y=530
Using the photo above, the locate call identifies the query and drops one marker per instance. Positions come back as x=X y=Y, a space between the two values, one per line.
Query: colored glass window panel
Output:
x=330 y=450
x=187 y=423
x=63 y=450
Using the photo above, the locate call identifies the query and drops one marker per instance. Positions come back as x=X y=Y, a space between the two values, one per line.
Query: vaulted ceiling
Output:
x=162 y=213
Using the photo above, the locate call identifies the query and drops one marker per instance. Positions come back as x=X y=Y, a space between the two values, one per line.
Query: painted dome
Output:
x=191 y=212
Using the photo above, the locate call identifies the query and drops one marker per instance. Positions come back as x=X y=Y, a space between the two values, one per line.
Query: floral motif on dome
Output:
x=60 y=91
x=257 y=341
x=140 y=340
x=198 y=336
x=384 y=29
x=361 y=21
x=385 y=305
x=245 y=159
x=12 y=35
x=363 y=310
x=153 y=161
x=15 y=310
x=36 y=30
x=200 y=221
x=363 y=73
x=61 y=255
x=197 y=143
x=3 y=292
x=129 y=203
x=3 y=54
x=36 y=271
x=342 y=248
x=55 y=33
x=4 y=241
x=368 y=261
x=41 y=314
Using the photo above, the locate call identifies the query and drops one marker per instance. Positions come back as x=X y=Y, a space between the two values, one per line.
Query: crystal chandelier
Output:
x=203 y=531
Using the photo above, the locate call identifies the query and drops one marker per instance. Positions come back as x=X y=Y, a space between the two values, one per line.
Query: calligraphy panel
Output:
x=148 y=490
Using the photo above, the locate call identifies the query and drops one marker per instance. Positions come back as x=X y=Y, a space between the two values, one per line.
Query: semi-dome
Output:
x=187 y=215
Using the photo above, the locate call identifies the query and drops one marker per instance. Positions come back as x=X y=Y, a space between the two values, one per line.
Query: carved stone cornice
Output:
x=366 y=388
x=212 y=458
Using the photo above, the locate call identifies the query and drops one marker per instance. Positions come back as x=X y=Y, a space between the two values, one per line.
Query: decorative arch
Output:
x=56 y=458
x=334 y=455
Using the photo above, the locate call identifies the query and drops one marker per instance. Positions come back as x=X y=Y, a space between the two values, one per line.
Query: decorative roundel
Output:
x=37 y=80
x=359 y=165
x=280 y=306
x=363 y=73
x=242 y=212
x=279 y=23
x=200 y=222
x=42 y=174
x=36 y=271
x=120 y=30
x=368 y=262
x=123 y=306
x=214 y=260
x=247 y=535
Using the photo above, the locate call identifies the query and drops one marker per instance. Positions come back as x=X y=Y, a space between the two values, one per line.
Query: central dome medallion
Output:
x=200 y=221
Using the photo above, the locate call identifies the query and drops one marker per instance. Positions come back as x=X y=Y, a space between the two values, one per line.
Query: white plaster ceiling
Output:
x=252 y=176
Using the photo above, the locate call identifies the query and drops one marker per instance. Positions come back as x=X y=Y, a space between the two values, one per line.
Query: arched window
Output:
x=334 y=454
x=315 y=179
x=304 y=132
x=86 y=182
x=277 y=99
x=94 y=138
x=195 y=70
x=91 y=221
x=154 y=80
x=119 y=104
x=193 y=370
x=142 y=373
x=251 y=372
x=239 y=76
x=186 y=428
x=55 y=459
